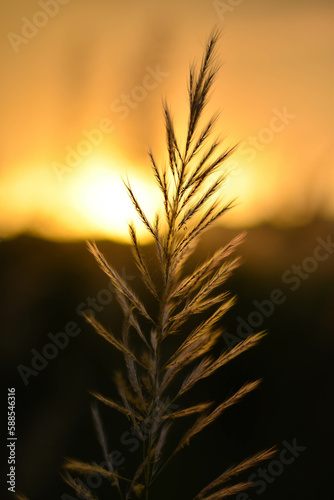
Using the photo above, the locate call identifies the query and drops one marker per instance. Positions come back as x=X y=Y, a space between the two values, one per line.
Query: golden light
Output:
x=90 y=202
x=100 y=199
x=77 y=72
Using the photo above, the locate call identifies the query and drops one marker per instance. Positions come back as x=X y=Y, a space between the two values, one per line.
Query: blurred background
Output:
x=81 y=94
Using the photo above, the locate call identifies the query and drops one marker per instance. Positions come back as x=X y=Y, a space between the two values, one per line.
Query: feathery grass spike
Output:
x=81 y=490
x=237 y=469
x=191 y=201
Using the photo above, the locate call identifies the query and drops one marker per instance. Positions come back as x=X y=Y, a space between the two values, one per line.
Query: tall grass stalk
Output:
x=154 y=378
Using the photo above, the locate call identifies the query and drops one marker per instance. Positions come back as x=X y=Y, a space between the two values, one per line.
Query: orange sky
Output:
x=73 y=66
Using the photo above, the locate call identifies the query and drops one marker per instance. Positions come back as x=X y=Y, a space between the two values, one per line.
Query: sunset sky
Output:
x=81 y=94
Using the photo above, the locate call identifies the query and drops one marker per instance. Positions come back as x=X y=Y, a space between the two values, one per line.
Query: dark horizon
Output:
x=281 y=287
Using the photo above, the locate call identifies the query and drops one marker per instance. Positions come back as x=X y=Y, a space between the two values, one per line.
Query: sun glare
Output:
x=92 y=202
x=100 y=199
x=89 y=202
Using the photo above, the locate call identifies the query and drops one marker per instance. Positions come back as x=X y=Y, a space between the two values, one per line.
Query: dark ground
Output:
x=43 y=284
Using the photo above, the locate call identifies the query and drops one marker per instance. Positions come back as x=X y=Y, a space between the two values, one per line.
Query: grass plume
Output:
x=190 y=187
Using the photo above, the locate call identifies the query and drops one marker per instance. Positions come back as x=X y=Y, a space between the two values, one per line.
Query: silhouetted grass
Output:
x=191 y=202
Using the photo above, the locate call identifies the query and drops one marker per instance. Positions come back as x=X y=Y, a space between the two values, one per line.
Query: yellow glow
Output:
x=77 y=72
x=89 y=202
x=100 y=197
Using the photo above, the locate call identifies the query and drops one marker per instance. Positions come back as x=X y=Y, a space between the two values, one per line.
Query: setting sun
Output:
x=101 y=201
x=89 y=202
x=89 y=101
